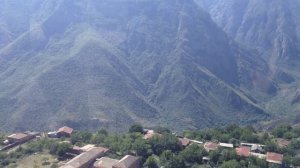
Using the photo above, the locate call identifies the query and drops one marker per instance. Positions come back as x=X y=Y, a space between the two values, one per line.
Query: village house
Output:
x=150 y=134
x=210 y=146
x=243 y=151
x=19 y=138
x=61 y=132
x=184 y=142
x=86 y=159
x=64 y=131
x=128 y=162
x=274 y=158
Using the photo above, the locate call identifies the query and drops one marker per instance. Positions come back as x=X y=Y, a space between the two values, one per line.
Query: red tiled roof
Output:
x=66 y=129
x=210 y=146
x=18 y=136
x=184 y=141
x=243 y=151
x=274 y=157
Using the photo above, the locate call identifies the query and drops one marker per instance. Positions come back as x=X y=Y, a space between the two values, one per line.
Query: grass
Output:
x=36 y=160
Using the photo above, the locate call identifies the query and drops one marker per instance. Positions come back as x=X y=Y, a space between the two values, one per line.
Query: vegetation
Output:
x=164 y=149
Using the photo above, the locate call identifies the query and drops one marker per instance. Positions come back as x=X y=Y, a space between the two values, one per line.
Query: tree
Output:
x=193 y=153
x=141 y=147
x=230 y=164
x=136 y=128
x=81 y=137
x=151 y=162
x=164 y=142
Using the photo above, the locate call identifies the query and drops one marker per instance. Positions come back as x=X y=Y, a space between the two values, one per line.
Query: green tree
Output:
x=230 y=164
x=136 y=128
x=193 y=153
x=151 y=162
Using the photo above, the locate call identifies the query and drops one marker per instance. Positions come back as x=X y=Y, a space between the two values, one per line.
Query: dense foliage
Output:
x=165 y=150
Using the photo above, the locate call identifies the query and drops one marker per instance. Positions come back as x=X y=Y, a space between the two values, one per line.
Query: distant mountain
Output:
x=112 y=63
x=272 y=28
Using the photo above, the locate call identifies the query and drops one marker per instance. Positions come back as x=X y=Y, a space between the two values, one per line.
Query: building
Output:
x=128 y=162
x=64 y=131
x=150 y=134
x=226 y=145
x=86 y=159
x=184 y=142
x=257 y=148
x=243 y=151
x=19 y=138
x=210 y=146
x=105 y=162
x=274 y=158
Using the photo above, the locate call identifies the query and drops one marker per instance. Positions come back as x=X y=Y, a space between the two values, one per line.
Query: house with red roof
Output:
x=19 y=138
x=243 y=151
x=274 y=158
x=64 y=131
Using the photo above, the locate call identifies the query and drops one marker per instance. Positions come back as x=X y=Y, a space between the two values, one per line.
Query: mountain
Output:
x=90 y=64
x=272 y=28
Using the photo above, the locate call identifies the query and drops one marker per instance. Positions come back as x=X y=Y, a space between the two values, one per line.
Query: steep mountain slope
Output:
x=111 y=63
x=270 y=26
x=273 y=29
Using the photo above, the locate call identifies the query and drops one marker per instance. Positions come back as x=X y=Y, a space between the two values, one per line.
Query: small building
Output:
x=86 y=159
x=150 y=134
x=128 y=162
x=274 y=158
x=226 y=145
x=105 y=162
x=184 y=142
x=257 y=148
x=243 y=151
x=210 y=146
x=64 y=131
x=19 y=138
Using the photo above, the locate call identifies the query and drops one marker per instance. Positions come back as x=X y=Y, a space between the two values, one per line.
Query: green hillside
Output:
x=112 y=63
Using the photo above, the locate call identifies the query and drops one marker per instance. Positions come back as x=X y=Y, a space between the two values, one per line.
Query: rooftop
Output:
x=65 y=129
x=274 y=158
x=105 y=162
x=127 y=162
x=18 y=136
x=85 y=158
x=184 y=141
x=243 y=151
x=210 y=146
x=226 y=145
